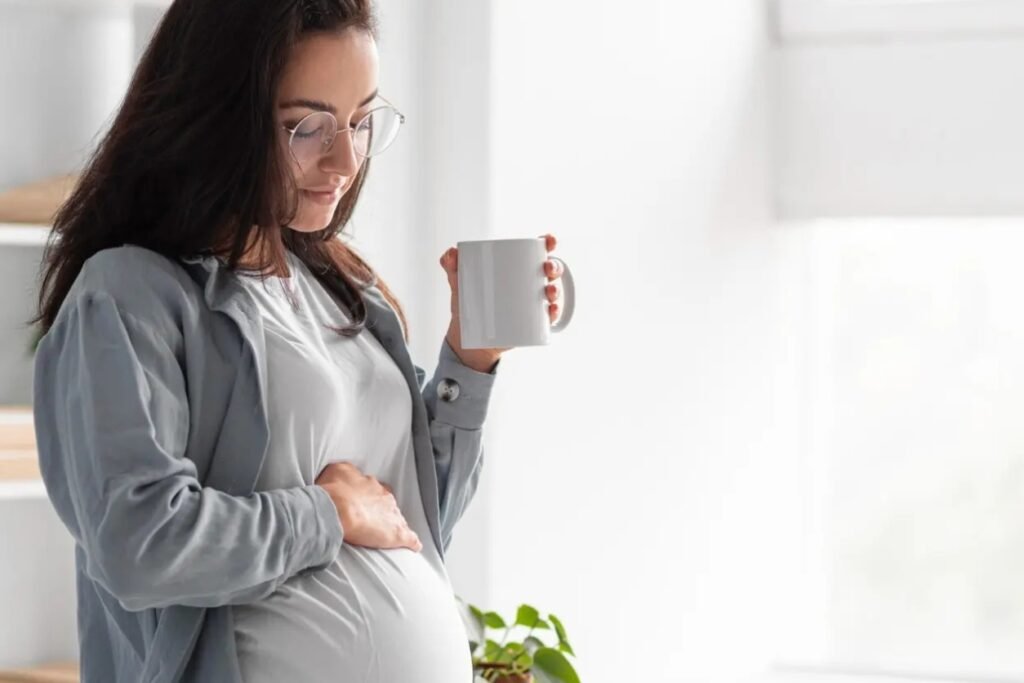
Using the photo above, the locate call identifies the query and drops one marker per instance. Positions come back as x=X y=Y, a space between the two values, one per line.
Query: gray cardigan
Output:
x=151 y=424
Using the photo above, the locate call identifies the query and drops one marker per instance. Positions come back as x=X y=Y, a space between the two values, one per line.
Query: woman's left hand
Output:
x=483 y=360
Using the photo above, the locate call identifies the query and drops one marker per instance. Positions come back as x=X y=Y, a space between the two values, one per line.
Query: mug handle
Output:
x=568 y=297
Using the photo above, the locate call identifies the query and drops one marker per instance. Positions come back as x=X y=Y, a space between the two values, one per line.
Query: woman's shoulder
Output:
x=144 y=284
x=130 y=260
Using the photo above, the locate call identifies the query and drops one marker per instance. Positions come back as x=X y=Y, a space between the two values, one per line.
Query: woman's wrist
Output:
x=480 y=360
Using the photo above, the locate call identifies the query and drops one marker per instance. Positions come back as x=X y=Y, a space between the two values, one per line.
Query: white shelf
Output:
x=19 y=416
x=19 y=470
x=23 y=235
x=22 y=490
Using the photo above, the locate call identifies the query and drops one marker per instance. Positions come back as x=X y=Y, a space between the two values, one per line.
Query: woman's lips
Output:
x=323 y=197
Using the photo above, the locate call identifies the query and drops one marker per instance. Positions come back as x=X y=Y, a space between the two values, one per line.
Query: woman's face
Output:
x=335 y=73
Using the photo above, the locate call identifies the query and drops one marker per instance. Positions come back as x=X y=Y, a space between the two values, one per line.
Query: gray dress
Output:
x=373 y=615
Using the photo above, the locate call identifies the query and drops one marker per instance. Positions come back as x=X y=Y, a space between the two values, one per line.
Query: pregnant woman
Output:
x=260 y=483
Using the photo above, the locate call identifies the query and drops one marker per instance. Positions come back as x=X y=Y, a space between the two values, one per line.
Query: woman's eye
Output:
x=305 y=133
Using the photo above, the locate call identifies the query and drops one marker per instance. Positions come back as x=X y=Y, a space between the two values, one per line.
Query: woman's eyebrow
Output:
x=317 y=105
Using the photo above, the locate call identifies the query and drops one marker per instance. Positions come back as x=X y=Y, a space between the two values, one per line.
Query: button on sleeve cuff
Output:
x=463 y=393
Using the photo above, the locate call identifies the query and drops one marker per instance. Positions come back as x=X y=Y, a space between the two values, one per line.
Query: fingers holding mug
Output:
x=553 y=269
x=553 y=292
x=564 y=291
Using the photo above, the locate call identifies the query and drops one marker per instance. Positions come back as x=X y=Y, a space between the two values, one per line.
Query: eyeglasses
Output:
x=314 y=135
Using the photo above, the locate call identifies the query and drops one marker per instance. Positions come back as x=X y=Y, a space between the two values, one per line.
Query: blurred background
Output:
x=778 y=441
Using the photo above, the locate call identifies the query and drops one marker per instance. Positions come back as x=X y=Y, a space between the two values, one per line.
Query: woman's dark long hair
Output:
x=191 y=165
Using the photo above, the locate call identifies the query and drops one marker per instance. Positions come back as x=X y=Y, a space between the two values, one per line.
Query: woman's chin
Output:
x=308 y=223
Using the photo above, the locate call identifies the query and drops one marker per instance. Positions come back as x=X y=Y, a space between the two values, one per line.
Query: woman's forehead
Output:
x=335 y=68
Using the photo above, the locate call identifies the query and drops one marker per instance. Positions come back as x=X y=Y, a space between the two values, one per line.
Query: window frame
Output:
x=835 y=20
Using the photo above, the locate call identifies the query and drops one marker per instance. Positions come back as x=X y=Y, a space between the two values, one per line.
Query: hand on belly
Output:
x=367 y=509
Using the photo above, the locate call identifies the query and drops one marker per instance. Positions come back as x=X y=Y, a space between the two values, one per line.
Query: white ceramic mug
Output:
x=502 y=303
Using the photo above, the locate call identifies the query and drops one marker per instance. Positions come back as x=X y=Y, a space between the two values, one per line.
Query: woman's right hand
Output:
x=367 y=509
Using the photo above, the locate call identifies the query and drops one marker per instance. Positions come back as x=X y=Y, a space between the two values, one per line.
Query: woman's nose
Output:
x=341 y=158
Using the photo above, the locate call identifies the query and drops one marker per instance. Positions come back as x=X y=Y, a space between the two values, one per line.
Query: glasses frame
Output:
x=350 y=129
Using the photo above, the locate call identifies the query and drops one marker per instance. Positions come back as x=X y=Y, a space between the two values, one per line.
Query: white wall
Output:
x=454 y=203
x=641 y=464
x=18 y=268
x=62 y=73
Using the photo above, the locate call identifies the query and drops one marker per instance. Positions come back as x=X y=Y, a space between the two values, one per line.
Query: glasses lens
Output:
x=312 y=136
x=377 y=131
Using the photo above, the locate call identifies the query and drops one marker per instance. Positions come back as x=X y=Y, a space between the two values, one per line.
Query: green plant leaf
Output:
x=494 y=620
x=527 y=616
x=533 y=644
x=491 y=650
x=37 y=336
x=559 y=629
x=510 y=651
x=543 y=625
x=472 y=620
x=563 y=640
x=551 y=666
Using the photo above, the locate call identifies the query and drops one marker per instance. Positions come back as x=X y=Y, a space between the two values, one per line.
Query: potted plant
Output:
x=37 y=336
x=529 y=660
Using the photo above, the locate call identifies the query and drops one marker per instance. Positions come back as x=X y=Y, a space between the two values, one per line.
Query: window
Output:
x=914 y=455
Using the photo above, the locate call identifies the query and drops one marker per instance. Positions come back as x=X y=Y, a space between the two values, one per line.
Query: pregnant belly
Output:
x=373 y=616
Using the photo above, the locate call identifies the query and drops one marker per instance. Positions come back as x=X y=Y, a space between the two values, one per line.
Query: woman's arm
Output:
x=456 y=432
x=112 y=422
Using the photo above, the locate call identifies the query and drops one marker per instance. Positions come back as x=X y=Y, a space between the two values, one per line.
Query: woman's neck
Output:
x=251 y=257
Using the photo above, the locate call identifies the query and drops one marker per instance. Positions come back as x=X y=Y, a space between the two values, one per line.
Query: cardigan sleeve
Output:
x=112 y=422
x=456 y=432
